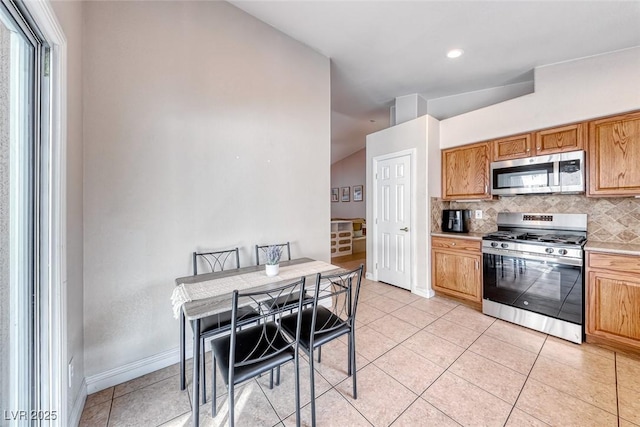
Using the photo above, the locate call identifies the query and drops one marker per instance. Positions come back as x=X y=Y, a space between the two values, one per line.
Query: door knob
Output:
x=404 y=229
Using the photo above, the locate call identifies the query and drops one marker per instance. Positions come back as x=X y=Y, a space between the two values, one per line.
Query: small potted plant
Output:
x=272 y=260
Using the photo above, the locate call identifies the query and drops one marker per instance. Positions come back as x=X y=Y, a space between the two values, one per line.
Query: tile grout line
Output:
x=572 y=395
x=447 y=370
x=525 y=383
x=372 y=362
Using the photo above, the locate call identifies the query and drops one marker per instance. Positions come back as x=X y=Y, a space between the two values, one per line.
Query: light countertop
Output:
x=470 y=236
x=614 y=248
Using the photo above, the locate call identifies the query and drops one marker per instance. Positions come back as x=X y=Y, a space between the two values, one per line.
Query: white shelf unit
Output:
x=341 y=238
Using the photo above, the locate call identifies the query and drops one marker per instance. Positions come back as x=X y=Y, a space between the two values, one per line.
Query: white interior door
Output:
x=393 y=221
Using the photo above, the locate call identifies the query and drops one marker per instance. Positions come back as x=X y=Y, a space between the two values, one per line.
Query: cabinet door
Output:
x=513 y=147
x=613 y=304
x=465 y=172
x=614 y=156
x=560 y=139
x=456 y=274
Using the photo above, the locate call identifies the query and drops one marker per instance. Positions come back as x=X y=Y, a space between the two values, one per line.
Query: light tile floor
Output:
x=420 y=363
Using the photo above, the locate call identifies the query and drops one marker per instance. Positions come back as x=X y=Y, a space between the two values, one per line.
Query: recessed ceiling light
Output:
x=455 y=53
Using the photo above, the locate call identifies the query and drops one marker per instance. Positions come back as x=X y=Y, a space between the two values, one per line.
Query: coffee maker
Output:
x=455 y=220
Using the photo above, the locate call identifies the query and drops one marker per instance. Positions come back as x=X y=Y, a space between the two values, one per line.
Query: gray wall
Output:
x=421 y=134
x=348 y=172
x=203 y=128
x=69 y=16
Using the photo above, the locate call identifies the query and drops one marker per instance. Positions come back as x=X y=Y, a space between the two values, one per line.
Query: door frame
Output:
x=53 y=268
x=412 y=153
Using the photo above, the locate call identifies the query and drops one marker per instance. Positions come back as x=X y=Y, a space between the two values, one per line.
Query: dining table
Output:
x=198 y=296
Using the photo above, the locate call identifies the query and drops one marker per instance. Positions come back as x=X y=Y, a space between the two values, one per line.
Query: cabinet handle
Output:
x=486 y=188
x=538 y=148
x=477 y=265
x=528 y=149
x=453 y=243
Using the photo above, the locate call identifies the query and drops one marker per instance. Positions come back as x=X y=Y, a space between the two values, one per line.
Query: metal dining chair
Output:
x=286 y=249
x=210 y=326
x=331 y=316
x=257 y=348
x=262 y=249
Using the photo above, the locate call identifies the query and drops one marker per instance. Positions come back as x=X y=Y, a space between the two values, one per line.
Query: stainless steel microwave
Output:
x=555 y=173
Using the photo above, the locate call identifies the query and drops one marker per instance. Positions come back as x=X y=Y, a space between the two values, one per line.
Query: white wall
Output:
x=420 y=134
x=564 y=93
x=69 y=15
x=204 y=128
x=348 y=172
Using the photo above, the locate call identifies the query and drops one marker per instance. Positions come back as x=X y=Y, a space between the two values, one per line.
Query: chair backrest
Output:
x=269 y=312
x=262 y=249
x=216 y=260
x=342 y=290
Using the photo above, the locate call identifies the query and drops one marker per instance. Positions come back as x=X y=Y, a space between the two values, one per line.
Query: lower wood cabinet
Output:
x=456 y=268
x=613 y=300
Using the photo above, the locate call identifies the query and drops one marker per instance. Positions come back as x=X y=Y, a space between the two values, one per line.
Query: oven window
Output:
x=549 y=289
x=523 y=176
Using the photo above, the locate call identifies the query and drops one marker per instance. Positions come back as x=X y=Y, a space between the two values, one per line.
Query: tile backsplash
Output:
x=615 y=220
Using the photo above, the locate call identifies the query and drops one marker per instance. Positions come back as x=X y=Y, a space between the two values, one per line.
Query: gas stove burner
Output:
x=561 y=238
x=503 y=234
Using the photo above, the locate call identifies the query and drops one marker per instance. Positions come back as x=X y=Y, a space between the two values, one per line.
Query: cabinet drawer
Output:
x=456 y=244
x=614 y=262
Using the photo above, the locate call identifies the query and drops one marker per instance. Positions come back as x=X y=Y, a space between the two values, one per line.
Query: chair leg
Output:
x=352 y=356
x=231 y=405
x=319 y=354
x=213 y=382
x=183 y=378
x=278 y=375
x=296 y=364
x=349 y=348
x=203 y=376
x=313 y=389
x=271 y=379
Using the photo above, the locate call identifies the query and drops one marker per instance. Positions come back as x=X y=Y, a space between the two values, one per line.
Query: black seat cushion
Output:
x=222 y=321
x=328 y=326
x=262 y=346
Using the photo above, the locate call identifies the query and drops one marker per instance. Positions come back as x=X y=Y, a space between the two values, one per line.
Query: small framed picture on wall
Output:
x=334 y=195
x=357 y=193
x=345 y=194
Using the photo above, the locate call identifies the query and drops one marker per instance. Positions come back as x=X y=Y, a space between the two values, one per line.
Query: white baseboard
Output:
x=426 y=293
x=78 y=405
x=135 y=369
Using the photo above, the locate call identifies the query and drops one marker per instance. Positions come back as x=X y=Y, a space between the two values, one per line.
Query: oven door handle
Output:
x=533 y=257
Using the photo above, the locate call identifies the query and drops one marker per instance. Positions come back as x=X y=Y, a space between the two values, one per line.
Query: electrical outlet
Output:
x=70 y=370
x=478 y=214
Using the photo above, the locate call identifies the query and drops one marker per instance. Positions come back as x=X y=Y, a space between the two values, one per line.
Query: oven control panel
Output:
x=522 y=250
x=547 y=218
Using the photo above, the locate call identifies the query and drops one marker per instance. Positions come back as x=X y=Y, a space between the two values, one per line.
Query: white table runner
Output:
x=187 y=292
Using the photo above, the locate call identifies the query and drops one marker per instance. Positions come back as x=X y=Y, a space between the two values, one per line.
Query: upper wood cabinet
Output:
x=548 y=141
x=465 y=172
x=560 y=139
x=513 y=147
x=614 y=156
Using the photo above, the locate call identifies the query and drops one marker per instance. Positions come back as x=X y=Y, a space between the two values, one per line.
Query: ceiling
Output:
x=381 y=50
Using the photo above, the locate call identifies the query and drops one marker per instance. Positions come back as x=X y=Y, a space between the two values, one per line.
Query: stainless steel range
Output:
x=533 y=272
